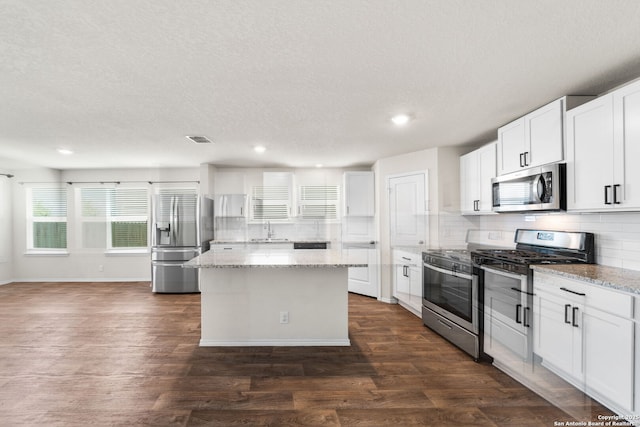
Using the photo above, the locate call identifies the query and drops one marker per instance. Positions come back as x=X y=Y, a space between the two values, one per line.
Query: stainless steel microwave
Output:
x=536 y=189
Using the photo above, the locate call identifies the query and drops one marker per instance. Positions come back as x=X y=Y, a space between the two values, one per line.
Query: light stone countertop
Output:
x=611 y=277
x=276 y=258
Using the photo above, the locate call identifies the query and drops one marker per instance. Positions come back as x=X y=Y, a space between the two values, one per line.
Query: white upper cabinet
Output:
x=477 y=168
x=603 y=142
x=358 y=193
x=535 y=139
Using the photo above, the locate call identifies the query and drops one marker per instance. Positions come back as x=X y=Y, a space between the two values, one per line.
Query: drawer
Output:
x=221 y=247
x=401 y=257
x=601 y=298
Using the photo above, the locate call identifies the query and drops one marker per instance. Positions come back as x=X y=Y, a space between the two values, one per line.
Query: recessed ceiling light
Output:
x=259 y=149
x=65 y=151
x=319 y=165
x=401 y=119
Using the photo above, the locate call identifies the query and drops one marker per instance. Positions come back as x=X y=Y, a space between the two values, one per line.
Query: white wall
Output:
x=617 y=235
x=443 y=195
x=81 y=265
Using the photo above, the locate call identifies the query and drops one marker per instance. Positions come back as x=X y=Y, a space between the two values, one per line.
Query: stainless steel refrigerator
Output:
x=182 y=226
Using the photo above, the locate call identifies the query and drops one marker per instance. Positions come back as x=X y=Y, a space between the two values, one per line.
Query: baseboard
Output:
x=276 y=343
x=83 y=279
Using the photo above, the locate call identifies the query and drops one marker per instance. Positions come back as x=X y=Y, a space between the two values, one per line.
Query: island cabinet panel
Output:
x=270 y=306
x=585 y=334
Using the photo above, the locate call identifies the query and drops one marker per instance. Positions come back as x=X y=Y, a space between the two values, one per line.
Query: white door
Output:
x=511 y=143
x=589 y=154
x=544 y=135
x=609 y=373
x=487 y=166
x=407 y=209
x=359 y=193
x=364 y=280
x=626 y=150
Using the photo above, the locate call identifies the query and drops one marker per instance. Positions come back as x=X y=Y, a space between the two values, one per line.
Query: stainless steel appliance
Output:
x=537 y=189
x=451 y=298
x=182 y=226
x=507 y=281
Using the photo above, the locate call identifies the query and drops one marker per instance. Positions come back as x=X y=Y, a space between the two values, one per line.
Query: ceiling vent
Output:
x=200 y=139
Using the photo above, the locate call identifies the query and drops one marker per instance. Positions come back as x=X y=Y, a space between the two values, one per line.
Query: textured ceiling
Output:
x=122 y=82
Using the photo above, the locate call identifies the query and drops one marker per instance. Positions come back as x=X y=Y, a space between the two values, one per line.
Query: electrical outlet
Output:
x=101 y=267
x=284 y=317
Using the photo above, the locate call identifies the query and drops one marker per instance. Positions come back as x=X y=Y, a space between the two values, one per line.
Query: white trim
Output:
x=46 y=253
x=391 y=300
x=276 y=342
x=125 y=252
x=85 y=279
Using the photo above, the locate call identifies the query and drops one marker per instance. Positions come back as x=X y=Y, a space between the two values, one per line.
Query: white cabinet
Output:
x=408 y=208
x=535 y=139
x=603 y=142
x=230 y=205
x=227 y=247
x=407 y=280
x=585 y=334
x=477 y=168
x=358 y=193
x=364 y=280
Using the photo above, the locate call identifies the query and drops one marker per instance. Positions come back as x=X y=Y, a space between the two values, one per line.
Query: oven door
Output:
x=507 y=314
x=452 y=295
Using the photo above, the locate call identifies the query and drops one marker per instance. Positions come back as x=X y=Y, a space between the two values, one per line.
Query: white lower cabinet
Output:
x=585 y=334
x=407 y=280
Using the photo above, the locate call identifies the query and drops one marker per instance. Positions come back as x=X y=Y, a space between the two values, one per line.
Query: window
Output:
x=319 y=202
x=46 y=218
x=114 y=218
x=272 y=199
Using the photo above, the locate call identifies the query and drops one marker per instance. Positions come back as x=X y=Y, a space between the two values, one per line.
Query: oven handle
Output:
x=449 y=272
x=503 y=273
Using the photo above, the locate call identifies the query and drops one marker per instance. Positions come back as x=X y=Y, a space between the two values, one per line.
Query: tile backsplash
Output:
x=617 y=235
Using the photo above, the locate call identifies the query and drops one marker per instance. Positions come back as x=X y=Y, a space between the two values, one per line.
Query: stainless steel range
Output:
x=507 y=282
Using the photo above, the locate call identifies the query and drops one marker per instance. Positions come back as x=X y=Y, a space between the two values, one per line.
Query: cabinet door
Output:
x=626 y=149
x=415 y=287
x=554 y=338
x=359 y=193
x=487 y=166
x=469 y=182
x=401 y=281
x=589 y=154
x=544 y=132
x=511 y=145
x=609 y=357
x=407 y=209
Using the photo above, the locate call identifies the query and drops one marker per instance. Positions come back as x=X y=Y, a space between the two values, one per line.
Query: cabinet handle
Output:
x=574 y=317
x=521 y=160
x=518 y=309
x=526 y=318
x=566 y=313
x=573 y=292
x=521 y=291
x=607 y=188
x=615 y=194
x=526 y=162
x=347 y=210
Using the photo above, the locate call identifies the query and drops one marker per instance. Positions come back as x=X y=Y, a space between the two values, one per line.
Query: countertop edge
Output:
x=616 y=278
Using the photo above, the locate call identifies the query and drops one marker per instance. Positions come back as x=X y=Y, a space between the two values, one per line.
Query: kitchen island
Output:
x=274 y=297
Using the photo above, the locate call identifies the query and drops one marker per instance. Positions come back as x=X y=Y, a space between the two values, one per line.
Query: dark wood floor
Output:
x=75 y=354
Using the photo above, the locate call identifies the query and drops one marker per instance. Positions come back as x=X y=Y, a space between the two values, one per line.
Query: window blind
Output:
x=114 y=217
x=48 y=218
x=272 y=200
x=319 y=201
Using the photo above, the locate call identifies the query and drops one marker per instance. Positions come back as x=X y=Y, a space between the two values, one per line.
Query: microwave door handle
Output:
x=541 y=188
